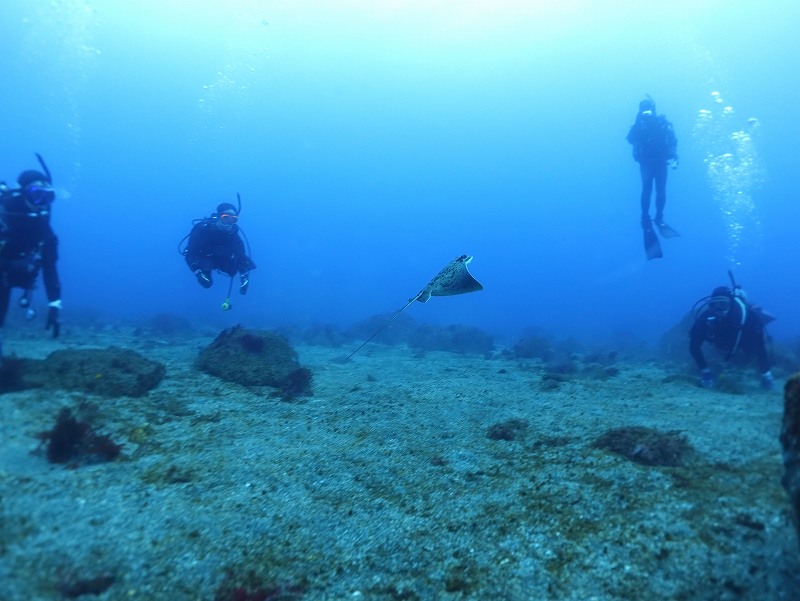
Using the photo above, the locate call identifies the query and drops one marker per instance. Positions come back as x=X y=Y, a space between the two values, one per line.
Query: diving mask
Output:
x=39 y=194
x=228 y=219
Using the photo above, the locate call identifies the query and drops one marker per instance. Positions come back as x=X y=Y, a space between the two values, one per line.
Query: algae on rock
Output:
x=790 y=441
x=255 y=358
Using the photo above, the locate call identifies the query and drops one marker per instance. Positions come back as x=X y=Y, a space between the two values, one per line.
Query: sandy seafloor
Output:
x=385 y=485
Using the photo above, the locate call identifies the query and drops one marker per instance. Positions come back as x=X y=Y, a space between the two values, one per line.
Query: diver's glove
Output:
x=203 y=278
x=674 y=162
x=767 y=381
x=706 y=378
x=245 y=282
x=52 y=317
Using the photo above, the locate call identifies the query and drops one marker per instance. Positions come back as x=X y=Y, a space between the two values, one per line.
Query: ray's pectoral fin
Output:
x=455 y=278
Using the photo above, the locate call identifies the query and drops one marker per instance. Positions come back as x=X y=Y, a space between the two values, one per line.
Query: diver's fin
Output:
x=652 y=247
x=666 y=230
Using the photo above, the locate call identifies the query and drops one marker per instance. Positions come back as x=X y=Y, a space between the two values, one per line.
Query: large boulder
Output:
x=109 y=372
x=255 y=358
x=674 y=343
x=790 y=441
x=392 y=329
x=461 y=339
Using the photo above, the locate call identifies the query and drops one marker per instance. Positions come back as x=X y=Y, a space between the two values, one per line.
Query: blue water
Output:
x=373 y=142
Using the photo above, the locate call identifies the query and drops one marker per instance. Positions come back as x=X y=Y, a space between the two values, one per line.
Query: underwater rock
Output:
x=166 y=325
x=399 y=331
x=646 y=446
x=674 y=343
x=790 y=441
x=533 y=347
x=259 y=591
x=13 y=375
x=464 y=340
x=323 y=335
x=108 y=372
x=255 y=358
x=511 y=429
x=78 y=587
x=296 y=384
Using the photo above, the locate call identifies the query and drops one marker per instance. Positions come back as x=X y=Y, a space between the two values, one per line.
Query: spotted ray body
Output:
x=453 y=279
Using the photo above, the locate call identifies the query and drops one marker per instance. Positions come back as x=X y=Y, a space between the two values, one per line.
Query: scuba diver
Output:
x=728 y=321
x=654 y=147
x=214 y=243
x=28 y=244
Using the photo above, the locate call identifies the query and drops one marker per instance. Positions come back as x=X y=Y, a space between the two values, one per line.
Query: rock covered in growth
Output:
x=399 y=330
x=646 y=445
x=533 y=347
x=511 y=429
x=13 y=375
x=790 y=441
x=168 y=325
x=323 y=335
x=460 y=339
x=108 y=372
x=674 y=343
x=255 y=358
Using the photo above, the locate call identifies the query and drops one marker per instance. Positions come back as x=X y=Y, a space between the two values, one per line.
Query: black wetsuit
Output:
x=211 y=247
x=740 y=329
x=654 y=145
x=27 y=246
